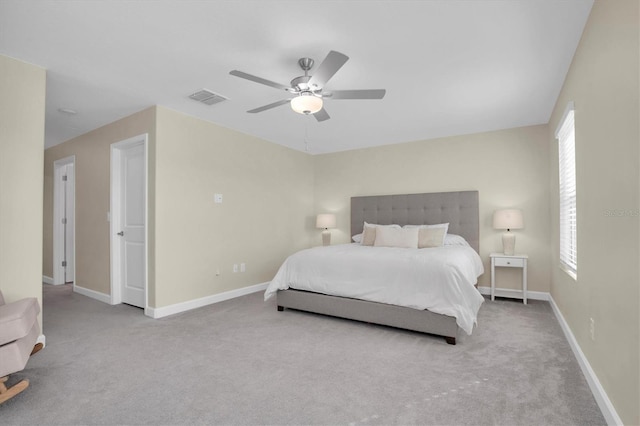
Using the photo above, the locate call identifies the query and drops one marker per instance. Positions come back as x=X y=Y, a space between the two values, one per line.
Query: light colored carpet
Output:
x=242 y=362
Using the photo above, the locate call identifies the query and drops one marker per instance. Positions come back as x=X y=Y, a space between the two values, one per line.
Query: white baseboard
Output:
x=92 y=294
x=607 y=408
x=203 y=301
x=514 y=294
x=47 y=280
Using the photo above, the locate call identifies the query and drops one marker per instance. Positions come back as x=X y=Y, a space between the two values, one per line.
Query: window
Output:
x=566 y=136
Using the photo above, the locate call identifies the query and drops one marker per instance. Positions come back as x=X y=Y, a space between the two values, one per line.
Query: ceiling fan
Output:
x=308 y=90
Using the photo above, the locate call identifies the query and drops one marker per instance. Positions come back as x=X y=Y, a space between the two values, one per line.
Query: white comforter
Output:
x=439 y=279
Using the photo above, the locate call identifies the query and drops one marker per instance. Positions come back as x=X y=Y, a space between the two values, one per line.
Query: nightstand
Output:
x=509 y=261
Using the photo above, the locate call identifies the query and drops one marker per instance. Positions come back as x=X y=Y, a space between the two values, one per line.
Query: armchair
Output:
x=19 y=331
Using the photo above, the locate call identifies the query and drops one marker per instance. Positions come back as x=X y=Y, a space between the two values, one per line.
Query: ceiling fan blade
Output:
x=321 y=115
x=356 y=94
x=331 y=64
x=259 y=80
x=273 y=105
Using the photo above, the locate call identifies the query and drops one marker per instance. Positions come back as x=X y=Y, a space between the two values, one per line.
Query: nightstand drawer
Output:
x=509 y=262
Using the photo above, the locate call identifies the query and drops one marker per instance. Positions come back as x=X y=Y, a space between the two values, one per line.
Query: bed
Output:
x=459 y=209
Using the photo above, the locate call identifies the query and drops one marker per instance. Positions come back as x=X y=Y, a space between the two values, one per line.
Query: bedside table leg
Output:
x=493 y=279
x=524 y=282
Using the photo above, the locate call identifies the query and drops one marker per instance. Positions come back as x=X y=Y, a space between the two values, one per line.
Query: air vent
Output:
x=207 y=97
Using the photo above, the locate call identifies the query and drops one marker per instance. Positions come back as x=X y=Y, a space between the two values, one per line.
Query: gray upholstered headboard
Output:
x=460 y=209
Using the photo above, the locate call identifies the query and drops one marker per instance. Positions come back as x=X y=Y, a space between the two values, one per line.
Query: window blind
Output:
x=568 y=209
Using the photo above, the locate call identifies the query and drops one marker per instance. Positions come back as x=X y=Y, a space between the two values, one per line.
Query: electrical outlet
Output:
x=592 y=329
x=218 y=272
x=235 y=267
x=243 y=267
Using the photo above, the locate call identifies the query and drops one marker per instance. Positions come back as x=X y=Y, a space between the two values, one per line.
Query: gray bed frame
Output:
x=460 y=209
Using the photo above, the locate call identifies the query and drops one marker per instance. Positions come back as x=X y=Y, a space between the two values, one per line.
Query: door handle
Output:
x=121 y=233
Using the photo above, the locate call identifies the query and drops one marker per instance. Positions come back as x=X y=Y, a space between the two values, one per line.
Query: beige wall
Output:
x=268 y=202
x=265 y=215
x=603 y=83
x=22 y=103
x=509 y=168
x=92 y=165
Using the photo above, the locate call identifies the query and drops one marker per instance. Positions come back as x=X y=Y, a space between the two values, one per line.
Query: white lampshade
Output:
x=326 y=220
x=508 y=219
x=306 y=103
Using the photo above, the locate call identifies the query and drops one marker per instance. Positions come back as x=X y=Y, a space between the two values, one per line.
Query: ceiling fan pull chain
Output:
x=306 y=134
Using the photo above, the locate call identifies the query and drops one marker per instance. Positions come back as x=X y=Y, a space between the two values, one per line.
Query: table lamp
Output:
x=326 y=221
x=508 y=219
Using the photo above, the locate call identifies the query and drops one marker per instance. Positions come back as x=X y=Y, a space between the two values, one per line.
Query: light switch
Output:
x=217 y=198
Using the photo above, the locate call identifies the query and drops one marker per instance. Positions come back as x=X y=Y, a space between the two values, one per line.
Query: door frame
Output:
x=59 y=205
x=115 y=217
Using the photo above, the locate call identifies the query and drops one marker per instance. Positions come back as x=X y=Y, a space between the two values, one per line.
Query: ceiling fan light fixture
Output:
x=306 y=103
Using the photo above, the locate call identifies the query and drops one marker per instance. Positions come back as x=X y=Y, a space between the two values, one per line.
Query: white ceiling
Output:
x=450 y=67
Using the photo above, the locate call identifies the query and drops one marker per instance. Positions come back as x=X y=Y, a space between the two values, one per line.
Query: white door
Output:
x=63 y=220
x=129 y=226
x=69 y=223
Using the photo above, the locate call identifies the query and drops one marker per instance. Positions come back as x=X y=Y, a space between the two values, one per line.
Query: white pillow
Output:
x=396 y=237
x=437 y=225
x=369 y=232
x=455 y=240
x=430 y=235
x=375 y=225
x=357 y=238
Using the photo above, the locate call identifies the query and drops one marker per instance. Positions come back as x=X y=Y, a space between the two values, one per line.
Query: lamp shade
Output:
x=508 y=219
x=306 y=103
x=326 y=220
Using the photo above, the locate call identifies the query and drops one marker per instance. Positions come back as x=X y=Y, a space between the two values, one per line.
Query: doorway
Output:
x=129 y=222
x=64 y=221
